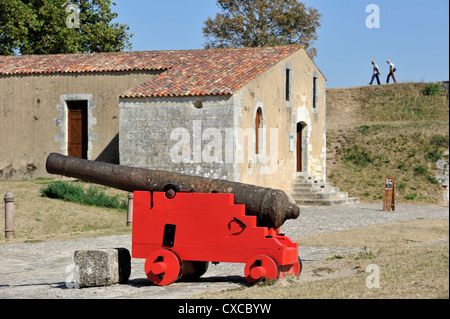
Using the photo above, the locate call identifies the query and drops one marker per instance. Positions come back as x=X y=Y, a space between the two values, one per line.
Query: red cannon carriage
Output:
x=181 y=223
x=178 y=237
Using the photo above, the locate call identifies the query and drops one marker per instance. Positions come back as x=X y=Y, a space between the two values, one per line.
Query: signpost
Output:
x=389 y=195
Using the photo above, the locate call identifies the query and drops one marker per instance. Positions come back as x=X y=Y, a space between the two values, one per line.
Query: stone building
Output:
x=62 y=103
x=253 y=115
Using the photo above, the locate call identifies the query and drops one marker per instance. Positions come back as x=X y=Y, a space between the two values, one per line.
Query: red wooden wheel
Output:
x=298 y=267
x=261 y=267
x=163 y=267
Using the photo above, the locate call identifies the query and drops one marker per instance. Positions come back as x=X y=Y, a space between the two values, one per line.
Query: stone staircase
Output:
x=309 y=191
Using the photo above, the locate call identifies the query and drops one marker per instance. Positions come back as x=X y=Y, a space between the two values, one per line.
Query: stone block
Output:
x=102 y=267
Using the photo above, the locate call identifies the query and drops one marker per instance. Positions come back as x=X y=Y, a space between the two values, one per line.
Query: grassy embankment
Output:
x=390 y=130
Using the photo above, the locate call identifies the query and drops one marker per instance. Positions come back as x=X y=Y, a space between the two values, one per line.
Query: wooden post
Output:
x=389 y=195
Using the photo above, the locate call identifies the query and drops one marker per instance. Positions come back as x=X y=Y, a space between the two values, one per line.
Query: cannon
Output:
x=179 y=236
x=272 y=207
x=181 y=223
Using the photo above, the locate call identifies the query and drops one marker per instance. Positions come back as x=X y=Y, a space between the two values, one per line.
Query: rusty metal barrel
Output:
x=272 y=207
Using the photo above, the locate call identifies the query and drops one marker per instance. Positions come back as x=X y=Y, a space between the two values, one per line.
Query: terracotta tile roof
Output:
x=83 y=63
x=187 y=72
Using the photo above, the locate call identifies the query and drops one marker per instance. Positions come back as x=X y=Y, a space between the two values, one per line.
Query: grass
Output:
x=403 y=132
x=399 y=151
x=405 y=102
x=432 y=89
x=93 y=195
x=412 y=265
x=39 y=218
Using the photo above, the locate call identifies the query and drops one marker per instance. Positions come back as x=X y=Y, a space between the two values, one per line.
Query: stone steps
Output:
x=310 y=191
x=326 y=202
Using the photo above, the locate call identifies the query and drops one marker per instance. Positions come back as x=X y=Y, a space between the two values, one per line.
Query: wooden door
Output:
x=77 y=129
x=257 y=127
x=299 y=147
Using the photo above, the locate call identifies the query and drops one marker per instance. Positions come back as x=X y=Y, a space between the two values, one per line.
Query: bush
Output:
x=433 y=155
x=359 y=156
x=412 y=196
x=64 y=191
x=432 y=180
x=93 y=196
x=420 y=170
x=439 y=141
x=432 y=89
x=364 y=129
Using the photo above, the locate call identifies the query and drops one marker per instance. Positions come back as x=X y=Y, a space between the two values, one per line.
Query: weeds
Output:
x=412 y=196
x=432 y=89
x=432 y=180
x=414 y=101
x=399 y=132
x=359 y=156
x=439 y=141
x=365 y=255
x=420 y=170
x=92 y=196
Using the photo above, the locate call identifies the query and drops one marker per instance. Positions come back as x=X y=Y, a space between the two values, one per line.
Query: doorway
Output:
x=77 y=129
x=258 y=126
x=300 y=137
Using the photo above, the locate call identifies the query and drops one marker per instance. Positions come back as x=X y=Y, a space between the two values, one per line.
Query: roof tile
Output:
x=187 y=72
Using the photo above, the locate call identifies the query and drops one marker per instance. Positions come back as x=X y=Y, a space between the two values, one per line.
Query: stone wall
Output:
x=268 y=93
x=443 y=177
x=187 y=135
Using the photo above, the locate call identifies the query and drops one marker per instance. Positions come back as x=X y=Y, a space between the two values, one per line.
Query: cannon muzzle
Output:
x=272 y=207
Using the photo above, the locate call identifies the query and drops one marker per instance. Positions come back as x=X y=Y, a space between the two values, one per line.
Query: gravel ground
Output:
x=38 y=271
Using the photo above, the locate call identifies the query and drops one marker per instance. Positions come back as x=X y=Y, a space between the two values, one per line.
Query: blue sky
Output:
x=413 y=34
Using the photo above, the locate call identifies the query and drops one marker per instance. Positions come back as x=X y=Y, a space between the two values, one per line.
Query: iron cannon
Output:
x=181 y=223
x=272 y=207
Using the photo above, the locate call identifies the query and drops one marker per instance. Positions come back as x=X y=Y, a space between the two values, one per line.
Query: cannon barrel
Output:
x=272 y=207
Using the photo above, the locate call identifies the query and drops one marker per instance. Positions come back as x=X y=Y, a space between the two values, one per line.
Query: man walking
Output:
x=376 y=73
x=392 y=71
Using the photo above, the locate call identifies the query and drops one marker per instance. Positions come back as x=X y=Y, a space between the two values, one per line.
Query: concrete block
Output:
x=102 y=267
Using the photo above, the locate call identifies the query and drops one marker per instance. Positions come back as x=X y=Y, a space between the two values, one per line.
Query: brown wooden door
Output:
x=78 y=132
x=257 y=127
x=299 y=147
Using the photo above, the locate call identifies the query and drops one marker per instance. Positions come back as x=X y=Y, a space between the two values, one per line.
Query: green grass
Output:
x=93 y=195
x=432 y=89
x=397 y=151
x=409 y=101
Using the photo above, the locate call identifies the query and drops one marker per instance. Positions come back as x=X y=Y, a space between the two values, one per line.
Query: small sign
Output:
x=389 y=195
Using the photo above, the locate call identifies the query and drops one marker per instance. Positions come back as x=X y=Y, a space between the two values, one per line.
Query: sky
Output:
x=413 y=34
